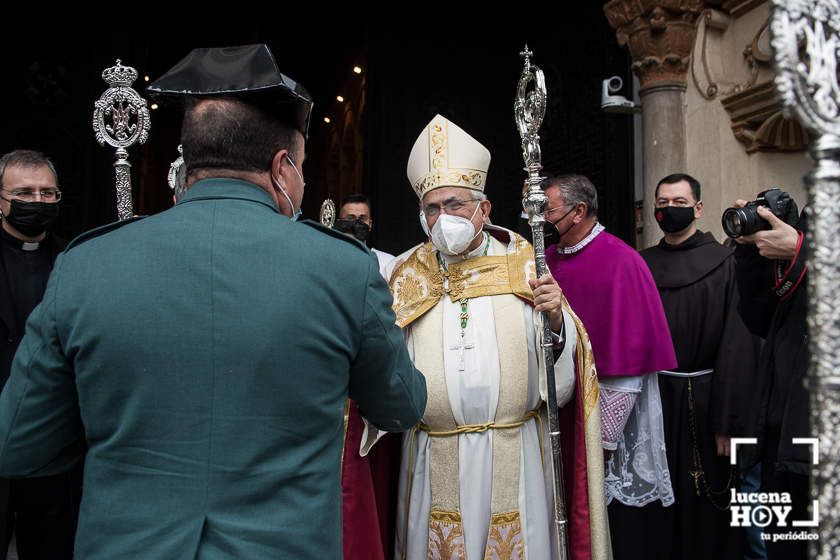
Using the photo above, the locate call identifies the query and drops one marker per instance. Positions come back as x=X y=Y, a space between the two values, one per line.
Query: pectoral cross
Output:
x=462 y=347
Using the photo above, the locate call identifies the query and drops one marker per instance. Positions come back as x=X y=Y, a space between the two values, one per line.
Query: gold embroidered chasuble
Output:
x=419 y=286
x=418 y=283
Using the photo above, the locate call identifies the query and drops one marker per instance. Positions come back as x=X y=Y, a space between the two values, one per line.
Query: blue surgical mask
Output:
x=277 y=185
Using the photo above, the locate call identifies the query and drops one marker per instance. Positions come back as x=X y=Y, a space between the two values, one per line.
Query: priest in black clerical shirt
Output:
x=41 y=511
x=705 y=399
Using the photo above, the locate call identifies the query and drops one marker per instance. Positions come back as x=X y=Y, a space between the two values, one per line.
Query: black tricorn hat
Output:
x=246 y=72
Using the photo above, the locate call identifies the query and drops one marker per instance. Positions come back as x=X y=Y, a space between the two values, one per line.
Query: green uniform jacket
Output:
x=204 y=355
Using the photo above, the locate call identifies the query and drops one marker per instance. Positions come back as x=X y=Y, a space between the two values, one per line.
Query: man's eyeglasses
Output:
x=48 y=195
x=551 y=211
x=451 y=206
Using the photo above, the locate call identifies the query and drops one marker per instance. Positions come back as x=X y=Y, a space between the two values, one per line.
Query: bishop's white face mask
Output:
x=452 y=234
x=424 y=224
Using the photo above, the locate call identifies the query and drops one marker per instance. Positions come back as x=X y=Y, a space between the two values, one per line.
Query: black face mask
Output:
x=357 y=228
x=672 y=219
x=32 y=218
x=557 y=231
x=549 y=233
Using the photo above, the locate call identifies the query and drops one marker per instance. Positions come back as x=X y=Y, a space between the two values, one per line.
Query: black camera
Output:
x=746 y=221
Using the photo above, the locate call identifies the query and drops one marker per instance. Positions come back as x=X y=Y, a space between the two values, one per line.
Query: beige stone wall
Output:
x=714 y=155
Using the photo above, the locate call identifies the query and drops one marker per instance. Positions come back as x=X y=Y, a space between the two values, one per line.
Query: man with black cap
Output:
x=205 y=353
x=42 y=511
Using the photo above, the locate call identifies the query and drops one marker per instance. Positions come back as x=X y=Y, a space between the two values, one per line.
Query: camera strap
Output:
x=789 y=275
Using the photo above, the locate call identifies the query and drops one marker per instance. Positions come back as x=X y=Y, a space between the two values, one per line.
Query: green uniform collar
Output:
x=210 y=189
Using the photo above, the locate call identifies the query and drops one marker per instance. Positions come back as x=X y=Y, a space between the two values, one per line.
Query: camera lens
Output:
x=733 y=222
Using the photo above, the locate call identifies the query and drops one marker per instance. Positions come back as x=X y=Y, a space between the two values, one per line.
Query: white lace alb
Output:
x=637 y=473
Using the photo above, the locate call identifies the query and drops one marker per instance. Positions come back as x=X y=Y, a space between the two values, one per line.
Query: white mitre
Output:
x=446 y=156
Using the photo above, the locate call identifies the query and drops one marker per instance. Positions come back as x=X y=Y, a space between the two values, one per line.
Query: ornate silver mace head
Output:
x=327 y=216
x=121 y=119
x=121 y=115
x=176 y=170
x=529 y=111
x=806 y=43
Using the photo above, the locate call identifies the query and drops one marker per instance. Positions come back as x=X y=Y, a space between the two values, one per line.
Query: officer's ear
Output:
x=276 y=168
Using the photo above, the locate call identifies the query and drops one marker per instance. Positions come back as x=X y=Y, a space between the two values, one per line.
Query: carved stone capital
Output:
x=659 y=35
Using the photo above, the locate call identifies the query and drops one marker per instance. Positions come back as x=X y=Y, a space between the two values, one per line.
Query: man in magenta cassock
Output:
x=611 y=289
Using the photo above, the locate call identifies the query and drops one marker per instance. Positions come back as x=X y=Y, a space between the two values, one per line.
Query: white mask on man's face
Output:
x=424 y=224
x=295 y=213
x=453 y=234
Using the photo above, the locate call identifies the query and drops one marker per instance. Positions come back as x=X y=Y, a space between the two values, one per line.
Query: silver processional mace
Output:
x=327 y=215
x=121 y=119
x=176 y=177
x=529 y=110
x=805 y=38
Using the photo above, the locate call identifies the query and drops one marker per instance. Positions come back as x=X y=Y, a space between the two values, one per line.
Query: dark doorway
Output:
x=50 y=87
x=465 y=71
x=468 y=73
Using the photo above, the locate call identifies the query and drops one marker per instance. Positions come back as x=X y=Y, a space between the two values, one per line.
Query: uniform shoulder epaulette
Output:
x=334 y=233
x=97 y=231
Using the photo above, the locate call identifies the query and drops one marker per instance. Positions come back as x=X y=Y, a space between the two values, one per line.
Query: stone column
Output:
x=660 y=36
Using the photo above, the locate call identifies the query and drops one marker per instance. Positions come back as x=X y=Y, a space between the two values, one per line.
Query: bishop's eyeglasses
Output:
x=451 y=206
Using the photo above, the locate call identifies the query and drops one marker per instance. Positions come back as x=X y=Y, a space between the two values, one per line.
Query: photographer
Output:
x=771 y=272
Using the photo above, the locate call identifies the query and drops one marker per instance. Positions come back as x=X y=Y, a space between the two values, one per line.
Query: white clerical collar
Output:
x=479 y=251
x=18 y=243
x=583 y=242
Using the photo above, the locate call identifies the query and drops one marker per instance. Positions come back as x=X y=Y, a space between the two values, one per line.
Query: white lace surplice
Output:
x=637 y=473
